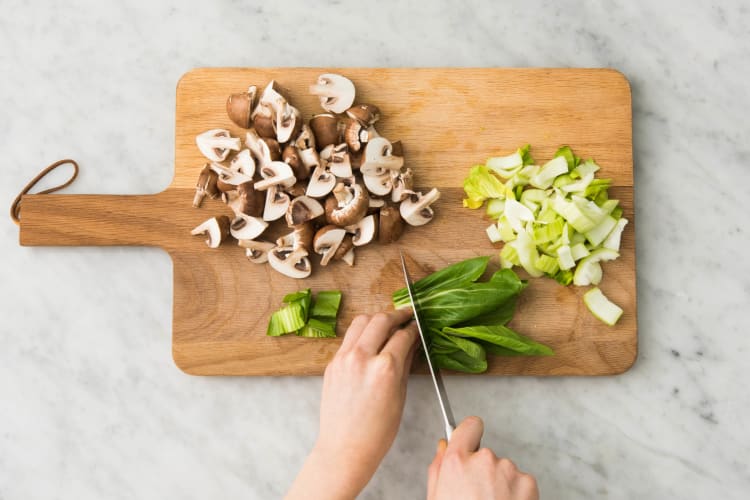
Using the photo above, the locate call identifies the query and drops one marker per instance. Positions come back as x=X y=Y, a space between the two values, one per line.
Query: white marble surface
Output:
x=91 y=405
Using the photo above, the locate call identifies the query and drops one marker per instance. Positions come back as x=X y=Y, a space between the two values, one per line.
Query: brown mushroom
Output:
x=256 y=250
x=290 y=262
x=416 y=209
x=403 y=182
x=348 y=204
x=321 y=183
x=336 y=93
x=390 y=226
x=364 y=114
x=336 y=158
x=259 y=147
x=274 y=174
x=290 y=156
x=364 y=231
x=250 y=200
x=228 y=179
x=274 y=149
x=301 y=237
x=379 y=185
x=277 y=203
x=216 y=144
x=303 y=209
x=263 y=122
x=243 y=163
x=240 y=107
x=345 y=251
x=216 y=229
x=379 y=157
x=325 y=129
x=288 y=123
x=305 y=139
x=246 y=227
x=206 y=185
x=327 y=240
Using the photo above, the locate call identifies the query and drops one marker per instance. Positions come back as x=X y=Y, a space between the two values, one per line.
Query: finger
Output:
x=380 y=327
x=401 y=343
x=354 y=331
x=434 y=470
x=467 y=436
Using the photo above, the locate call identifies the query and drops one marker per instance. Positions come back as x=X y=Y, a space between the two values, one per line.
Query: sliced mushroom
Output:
x=240 y=107
x=301 y=237
x=277 y=203
x=403 y=182
x=376 y=204
x=250 y=201
x=216 y=229
x=364 y=114
x=390 y=225
x=356 y=136
x=348 y=205
x=305 y=139
x=228 y=179
x=206 y=185
x=216 y=144
x=345 y=251
x=259 y=147
x=363 y=232
x=416 y=210
x=290 y=156
x=379 y=185
x=276 y=173
x=256 y=250
x=337 y=160
x=327 y=240
x=379 y=157
x=290 y=262
x=303 y=209
x=325 y=129
x=298 y=189
x=274 y=148
x=288 y=123
x=321 y=183
x=336 y=92
x=246 y=227
x=263 y=121
x=243 y=163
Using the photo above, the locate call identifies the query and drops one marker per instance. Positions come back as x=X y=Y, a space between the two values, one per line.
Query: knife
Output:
x=437 y=380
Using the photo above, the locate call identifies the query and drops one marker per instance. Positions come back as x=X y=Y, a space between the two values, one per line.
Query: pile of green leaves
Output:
x=305 y=317
x=464 y=319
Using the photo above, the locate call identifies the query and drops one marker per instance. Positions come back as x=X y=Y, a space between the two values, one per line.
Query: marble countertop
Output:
x=91 y=405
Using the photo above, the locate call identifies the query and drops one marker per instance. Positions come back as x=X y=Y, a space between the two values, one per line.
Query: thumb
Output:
x=434 y=470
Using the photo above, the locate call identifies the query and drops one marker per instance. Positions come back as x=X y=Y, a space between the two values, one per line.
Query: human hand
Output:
x=463 y=470
x=364 y=390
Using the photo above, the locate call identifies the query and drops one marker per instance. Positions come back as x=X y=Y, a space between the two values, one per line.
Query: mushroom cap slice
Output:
x=390 y=225
x=206 y=185
x=379 y=157
x=403 y=182
x=310 y=158
x=303 y=209
x=277 y=203
x=290 y=262
x=379 y=185
x=321 y=183
x=243 y=163
x=247 y=227
x=256 y=250
x=336 y=158
x=348 y=205
x=327 y=241
x=336 y=92
x=416 y=210
x=259 y=148
x=216 y=229
x=364 y=114
x=288 y=123
x=301 y=237
x=250 y=200
x=345 y=251
x=305 y=139
x=228 y=179
x=325 y=128
x=364 y=231
x=240 y=107
x=274 y=174
x=215 y=144
x=291 y=157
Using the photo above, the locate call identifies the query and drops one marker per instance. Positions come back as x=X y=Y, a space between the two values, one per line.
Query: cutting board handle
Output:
x=93 y=220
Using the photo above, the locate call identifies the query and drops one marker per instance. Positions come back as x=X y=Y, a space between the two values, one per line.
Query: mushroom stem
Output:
x=323 y=90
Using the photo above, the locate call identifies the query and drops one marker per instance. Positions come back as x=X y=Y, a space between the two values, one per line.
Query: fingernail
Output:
x=442 y=445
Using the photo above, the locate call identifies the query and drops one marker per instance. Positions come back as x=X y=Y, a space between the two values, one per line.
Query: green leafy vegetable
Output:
x=453 y=302
x=291 y=317
x=304 y=317
x=481 y=185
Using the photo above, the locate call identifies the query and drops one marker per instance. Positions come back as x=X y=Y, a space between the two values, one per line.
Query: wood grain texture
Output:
x=448 y=119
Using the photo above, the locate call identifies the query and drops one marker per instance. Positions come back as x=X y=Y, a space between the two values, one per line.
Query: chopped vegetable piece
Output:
x=601 y=307
x=291 y=317
x=480 y=185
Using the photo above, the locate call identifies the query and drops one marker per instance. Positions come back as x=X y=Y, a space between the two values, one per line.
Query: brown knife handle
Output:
x=92 y=220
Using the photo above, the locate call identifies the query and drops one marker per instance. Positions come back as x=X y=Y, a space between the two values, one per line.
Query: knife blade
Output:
x=437 y=379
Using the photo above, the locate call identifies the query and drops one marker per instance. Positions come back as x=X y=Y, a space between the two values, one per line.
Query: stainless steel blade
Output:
x=437 y=380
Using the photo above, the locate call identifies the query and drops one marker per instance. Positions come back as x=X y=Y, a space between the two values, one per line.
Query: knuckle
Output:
x=386 y=364
x=487 y=455
x=507 y=466
x=361 y=318
x=380 y=317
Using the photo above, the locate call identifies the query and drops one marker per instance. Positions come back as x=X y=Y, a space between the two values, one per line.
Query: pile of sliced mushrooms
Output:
x=335 y=181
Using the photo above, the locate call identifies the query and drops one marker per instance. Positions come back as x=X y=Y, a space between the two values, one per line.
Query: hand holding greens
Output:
x=465 y=318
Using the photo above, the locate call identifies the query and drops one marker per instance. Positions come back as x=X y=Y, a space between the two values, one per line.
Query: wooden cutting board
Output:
x=448 y=120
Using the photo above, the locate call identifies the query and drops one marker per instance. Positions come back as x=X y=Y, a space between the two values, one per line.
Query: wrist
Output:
x=343 y=471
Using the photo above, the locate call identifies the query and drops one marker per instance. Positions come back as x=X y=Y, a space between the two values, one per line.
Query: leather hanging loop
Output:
x=15 y=208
